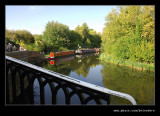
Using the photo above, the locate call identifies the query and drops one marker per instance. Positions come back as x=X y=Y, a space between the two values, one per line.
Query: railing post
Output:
x=7 y=87
x=32 y=95
x=14 y=87
x=42 y=94
x=22 y=88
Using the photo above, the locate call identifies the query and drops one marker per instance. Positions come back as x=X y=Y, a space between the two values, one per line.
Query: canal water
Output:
x=139 y=84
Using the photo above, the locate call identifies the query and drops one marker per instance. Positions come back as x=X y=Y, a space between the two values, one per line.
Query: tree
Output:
x=89 y=37
x=25 y=36
x=95 y=38
x=56 y=35
x=75 y=39
x=20 y=35
x=39 y=44
x=129 y=33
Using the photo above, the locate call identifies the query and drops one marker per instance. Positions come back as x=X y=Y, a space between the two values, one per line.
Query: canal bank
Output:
x=141 y=66
x=28 y=56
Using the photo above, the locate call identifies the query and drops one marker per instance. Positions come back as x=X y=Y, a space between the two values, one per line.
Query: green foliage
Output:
x=63 y=49
x=89 y=37
x=56 y=36
x=39 y=45
x=129 y=34
x=75 y=39
x=20 y=35
x=25 y=39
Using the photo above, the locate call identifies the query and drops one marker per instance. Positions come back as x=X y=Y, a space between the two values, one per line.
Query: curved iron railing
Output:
x=56 y=81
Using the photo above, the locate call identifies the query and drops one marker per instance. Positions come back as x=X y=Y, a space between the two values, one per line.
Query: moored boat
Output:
x=83 y=51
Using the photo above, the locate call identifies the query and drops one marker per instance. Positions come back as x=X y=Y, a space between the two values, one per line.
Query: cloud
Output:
x=32 y=7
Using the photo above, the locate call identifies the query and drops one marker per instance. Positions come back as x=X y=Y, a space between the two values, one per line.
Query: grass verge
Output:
x=131 y=64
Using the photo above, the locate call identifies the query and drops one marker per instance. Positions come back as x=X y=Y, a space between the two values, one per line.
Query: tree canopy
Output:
x=20 y=36
x=89 y=37
x=56 y=36
x=129 y=33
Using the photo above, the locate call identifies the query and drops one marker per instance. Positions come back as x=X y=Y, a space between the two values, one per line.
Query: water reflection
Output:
x=139 y=84
x=88 y=68
x=80 y=64
x=51 y=62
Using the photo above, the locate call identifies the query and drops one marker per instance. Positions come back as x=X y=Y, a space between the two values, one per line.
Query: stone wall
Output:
x=27 y=56
x=33 y=54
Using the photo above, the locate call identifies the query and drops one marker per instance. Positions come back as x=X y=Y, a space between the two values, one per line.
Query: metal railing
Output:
x=55 y=81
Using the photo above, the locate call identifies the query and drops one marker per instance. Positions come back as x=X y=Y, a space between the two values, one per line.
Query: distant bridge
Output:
x=56 y=81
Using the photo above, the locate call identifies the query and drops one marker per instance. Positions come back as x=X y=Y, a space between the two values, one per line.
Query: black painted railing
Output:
x=22 y=91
